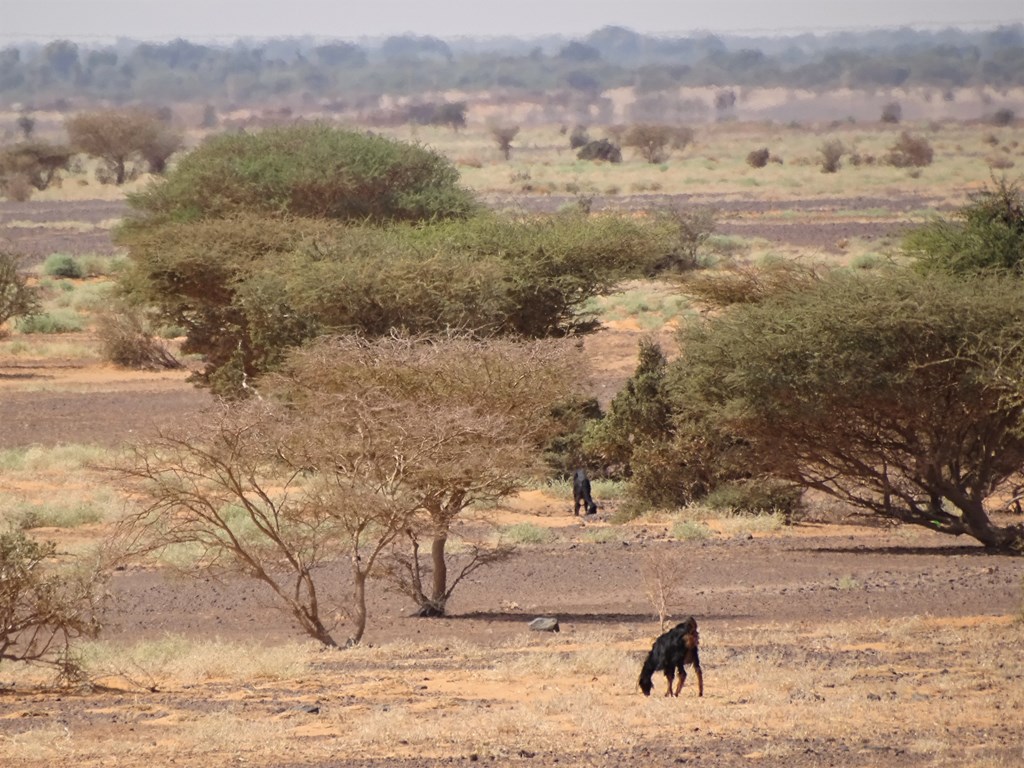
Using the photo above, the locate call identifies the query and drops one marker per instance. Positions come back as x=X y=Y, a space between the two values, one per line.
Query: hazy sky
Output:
x=224 y=19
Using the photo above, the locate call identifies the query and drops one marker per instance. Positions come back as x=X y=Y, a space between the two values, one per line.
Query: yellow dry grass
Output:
x=939 y=692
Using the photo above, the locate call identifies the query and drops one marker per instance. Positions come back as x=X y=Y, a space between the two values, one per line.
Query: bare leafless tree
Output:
x=356 y=447
x=45 y=605
x=467 y=419
x=273 y=493
x=662 y=577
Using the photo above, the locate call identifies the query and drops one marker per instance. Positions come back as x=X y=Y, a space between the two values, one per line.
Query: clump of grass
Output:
x=601 y=488
x=63 y=458
x=728 y=245
x=744 y=523
x=87 y=297
x=867 y=261
x=56 y=321
x=525 y=533
x=847 y=583
x=691 y=530
x=605 y=535
x=754 y=497
x=97 y=265
x=43 y=348
x=186 y=661
x=56 y=515
x=650 y=306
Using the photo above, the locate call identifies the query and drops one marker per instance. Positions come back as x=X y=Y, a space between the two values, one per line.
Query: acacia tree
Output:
x=900 y=395
x=652 y=142
x=986 y=235
x=504 y=135
x=273 y=493
x=464 y=420
x=119 y=136
x=44 y=608
x=248 y=288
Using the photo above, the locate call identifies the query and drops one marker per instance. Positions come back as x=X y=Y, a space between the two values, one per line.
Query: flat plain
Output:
x=831 y=641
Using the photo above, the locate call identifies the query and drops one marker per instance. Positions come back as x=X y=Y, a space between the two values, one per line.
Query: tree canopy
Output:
x=249 y=287
x=307 y=170
x=987 y=235
x=358 y=450
x=899 y=394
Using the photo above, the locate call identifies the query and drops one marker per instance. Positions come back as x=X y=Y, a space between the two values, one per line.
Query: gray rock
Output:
x=544 y=624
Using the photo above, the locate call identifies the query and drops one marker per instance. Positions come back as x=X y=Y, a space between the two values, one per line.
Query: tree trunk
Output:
x=359 y=605
x=439 y=578
x=1009 y=539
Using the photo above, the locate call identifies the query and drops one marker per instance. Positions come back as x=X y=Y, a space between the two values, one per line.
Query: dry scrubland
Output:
x=855 y=671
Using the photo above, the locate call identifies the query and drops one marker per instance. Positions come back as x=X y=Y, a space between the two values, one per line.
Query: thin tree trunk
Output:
x=359 y=603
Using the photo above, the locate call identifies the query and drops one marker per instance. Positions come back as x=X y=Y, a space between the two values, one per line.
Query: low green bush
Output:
x=57 y=321
x=63 y=265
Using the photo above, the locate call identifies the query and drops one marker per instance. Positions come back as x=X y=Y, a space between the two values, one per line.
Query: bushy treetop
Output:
x=987 y=235
x=247 y=287
x=309 y=170
x=899 y=393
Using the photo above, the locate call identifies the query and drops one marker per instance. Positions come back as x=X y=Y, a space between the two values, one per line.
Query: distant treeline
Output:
x=67 y=74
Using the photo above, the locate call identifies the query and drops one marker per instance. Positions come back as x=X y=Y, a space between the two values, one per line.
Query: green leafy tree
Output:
x=310 y=170
x=986 y=235
x=640 y=413
x=248 y=288
x=900 y=395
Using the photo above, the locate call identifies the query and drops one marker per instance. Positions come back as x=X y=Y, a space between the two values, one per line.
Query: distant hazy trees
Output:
x=31 y=165
x=180 y=70
x=654 y=143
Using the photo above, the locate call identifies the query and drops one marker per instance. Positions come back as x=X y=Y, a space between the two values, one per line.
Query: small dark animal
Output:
x=581 y=493
x=670 y=653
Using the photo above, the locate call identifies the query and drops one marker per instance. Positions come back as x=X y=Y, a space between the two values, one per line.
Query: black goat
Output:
x=670 y=653
x=581 y=493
